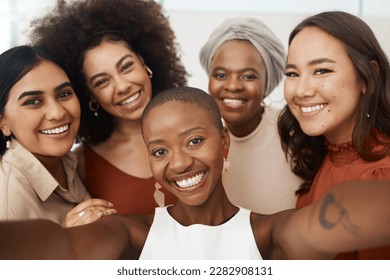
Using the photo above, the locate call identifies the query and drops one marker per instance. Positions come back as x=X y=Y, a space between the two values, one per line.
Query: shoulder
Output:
x=378 y=173
x=271 y=112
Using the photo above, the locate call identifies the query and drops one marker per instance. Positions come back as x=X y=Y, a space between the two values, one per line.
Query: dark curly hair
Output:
x=373 y=125
x=74 y=27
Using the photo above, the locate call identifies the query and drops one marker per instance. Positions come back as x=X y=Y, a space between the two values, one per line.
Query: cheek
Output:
x=74 y=109
x=103 y=97
x=157 y=169
x=288 y=91
x=214 y=86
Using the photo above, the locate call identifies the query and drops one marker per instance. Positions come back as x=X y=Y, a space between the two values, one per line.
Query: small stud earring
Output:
x=7 y=141
x=226 y=164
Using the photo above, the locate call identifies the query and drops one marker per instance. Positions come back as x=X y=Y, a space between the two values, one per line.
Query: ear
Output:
x=364 y=89
x=375 y=65
x=4 y=126
x=225 y=139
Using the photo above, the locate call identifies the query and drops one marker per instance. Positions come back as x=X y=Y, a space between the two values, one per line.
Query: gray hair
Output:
x=261 y=37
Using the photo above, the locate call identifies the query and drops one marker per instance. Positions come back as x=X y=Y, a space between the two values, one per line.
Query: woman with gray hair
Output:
x=245 y=62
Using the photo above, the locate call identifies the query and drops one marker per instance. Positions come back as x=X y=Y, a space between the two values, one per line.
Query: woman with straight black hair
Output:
x=39 y=120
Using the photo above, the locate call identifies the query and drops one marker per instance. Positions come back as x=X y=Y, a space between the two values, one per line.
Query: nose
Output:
x=180 y=161
x=304 y=87
x=122 y=85
x=233 y=84
x=55 y=110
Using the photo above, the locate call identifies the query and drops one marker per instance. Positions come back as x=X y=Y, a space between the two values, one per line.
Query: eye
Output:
x=32 y=102
x=158 y=152
x=100 y=82
x=322 y=71
x=219 y=76
x=291 y=74
x=126 y=66
x=195 y=141
x=249 y=77
x=64 y=94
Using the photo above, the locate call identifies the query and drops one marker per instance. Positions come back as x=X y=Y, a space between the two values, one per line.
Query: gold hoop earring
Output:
x=150 y=72
x=94 y=107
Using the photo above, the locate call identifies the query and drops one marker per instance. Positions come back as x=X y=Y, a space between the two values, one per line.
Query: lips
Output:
x=130 y=100
x=190 y=182
x=233 y=102
x=312 y=108
x=54 y=131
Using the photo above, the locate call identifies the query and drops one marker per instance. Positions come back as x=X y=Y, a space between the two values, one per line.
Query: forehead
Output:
x=313 y=42
x=37 y=78
x=175 y=115
x=106 y=50
x=237 y=52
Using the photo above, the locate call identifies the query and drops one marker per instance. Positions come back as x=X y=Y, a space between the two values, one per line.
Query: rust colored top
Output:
x=342 y=163
x=129 y=194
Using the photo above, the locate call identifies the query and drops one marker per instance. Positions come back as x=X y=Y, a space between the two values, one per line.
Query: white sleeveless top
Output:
x=169 y=240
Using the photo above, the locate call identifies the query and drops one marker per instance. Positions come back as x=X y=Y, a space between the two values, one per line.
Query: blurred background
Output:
x=194 y=20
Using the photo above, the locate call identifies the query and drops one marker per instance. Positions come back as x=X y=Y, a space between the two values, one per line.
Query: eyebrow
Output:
x=40 y=92
x=120 y=61
x=184 y=132
x=313 y=62
x=30 y=93
x=217 y=68
x=63 y=85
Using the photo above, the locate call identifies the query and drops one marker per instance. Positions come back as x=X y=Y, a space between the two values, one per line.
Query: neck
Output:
x=55 y=168
x=244 y=129
x=126 y=129
x=213 y=212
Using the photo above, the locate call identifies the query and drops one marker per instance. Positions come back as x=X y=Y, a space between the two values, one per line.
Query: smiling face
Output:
x=237 y=83
x=43 y=113
x=185 y=153
x=118 y=80
x=321 y=88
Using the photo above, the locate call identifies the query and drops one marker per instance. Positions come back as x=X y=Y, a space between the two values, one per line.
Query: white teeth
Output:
x=233 y=102
x=131 y=99
x=187 y=183
x=313 y=108
x=57 y=130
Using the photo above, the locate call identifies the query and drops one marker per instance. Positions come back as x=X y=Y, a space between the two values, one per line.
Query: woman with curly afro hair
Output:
x=118 y=55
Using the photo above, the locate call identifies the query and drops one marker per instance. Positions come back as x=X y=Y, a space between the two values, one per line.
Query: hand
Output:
x=89 y=211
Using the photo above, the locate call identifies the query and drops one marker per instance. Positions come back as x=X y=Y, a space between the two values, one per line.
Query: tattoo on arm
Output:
x=333 y=213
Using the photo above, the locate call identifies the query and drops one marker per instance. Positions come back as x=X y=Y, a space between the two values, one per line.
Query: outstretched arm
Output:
x=351 y=216
x=107 y=238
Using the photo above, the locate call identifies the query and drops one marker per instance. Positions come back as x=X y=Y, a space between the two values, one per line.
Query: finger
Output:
x=89 y=203
x=98 y=202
